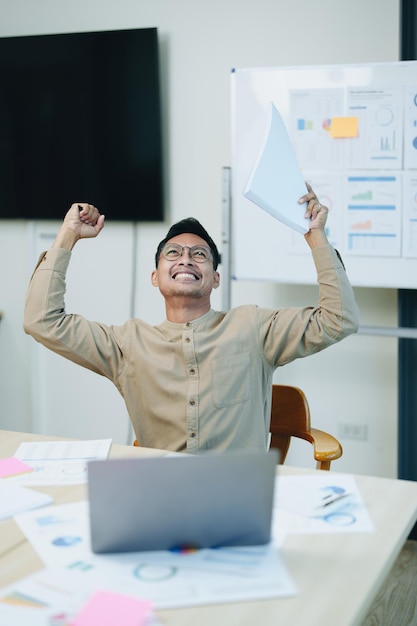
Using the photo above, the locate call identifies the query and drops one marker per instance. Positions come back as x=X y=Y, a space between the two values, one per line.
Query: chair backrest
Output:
x=290 y=417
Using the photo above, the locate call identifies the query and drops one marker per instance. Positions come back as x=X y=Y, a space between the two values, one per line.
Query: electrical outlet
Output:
x=358 y=432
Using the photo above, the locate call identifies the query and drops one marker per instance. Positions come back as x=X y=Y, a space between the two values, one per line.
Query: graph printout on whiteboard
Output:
x=353 y=129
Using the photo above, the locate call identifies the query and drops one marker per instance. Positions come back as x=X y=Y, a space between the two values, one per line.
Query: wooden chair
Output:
x=290 y=417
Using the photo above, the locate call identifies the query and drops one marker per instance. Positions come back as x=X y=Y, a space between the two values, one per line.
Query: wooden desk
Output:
x=338 y=575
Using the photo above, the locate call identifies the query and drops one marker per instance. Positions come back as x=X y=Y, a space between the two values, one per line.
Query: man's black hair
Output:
x=189 y=225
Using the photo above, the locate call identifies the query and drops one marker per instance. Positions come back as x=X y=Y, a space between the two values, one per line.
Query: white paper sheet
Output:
x=51 y=597
x=60 y=535
x=298 y=498
x=276 y=182
x=59 y=462
x=15 y=499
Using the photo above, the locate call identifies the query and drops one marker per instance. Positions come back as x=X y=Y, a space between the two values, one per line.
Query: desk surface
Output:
x=338 y=576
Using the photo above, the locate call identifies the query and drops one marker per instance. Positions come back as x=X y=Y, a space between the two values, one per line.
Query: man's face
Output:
x=185 y=276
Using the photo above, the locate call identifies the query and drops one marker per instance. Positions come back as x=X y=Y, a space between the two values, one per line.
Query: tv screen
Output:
x=80 y=121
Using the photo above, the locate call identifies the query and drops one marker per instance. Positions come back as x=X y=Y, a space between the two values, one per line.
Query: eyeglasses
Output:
x=173 y=251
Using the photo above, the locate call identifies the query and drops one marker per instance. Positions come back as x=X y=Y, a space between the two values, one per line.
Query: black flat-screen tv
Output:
x=80 y=121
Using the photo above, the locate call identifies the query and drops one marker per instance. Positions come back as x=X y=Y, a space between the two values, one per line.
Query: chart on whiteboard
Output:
x=353 y=130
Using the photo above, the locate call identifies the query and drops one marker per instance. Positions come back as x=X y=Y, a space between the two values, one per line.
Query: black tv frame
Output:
x=80 y=121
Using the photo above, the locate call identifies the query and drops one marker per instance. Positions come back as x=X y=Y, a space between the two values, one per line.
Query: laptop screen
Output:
x=172 y=502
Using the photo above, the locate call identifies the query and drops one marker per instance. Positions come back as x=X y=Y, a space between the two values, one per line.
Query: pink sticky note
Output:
x=113 y=609
x=12 y=466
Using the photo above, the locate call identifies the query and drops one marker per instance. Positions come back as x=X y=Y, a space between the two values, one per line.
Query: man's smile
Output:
x=182 y=275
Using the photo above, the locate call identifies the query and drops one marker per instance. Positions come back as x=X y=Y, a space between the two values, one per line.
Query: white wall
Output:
x=200 y=43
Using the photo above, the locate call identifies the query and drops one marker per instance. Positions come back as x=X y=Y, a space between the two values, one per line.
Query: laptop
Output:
x=181 y=502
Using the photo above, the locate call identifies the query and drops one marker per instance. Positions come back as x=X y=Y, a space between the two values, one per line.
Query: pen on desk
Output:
x=331 y=499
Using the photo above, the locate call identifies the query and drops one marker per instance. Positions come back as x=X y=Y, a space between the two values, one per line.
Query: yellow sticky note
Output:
x=343 y=127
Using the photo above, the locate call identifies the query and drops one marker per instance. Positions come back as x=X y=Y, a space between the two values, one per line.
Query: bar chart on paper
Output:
x=373 y=215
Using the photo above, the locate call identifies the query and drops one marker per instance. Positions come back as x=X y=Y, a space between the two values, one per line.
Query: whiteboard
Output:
x=368 y=179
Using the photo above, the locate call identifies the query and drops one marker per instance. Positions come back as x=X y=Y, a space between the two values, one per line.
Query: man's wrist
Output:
x=66 y=238
x=316 y=238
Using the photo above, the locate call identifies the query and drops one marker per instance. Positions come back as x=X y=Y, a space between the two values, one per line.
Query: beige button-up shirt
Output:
x=205 y=384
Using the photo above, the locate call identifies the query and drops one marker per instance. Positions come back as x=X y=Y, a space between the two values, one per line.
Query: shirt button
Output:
x=192 y=371
x=192 y=435
x=188 y=324
x=187 y=340
x=192 y=402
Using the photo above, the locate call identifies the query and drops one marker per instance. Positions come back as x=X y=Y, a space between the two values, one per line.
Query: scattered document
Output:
x=59 y=462
x=60 y=536
x=58 y=597
x=74 y=578
x=276 y=182
x=15 y=499
x=323 y=504
x=318 y=504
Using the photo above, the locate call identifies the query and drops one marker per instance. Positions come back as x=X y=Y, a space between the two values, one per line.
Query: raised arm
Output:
x=300 y=331
x=87 y=343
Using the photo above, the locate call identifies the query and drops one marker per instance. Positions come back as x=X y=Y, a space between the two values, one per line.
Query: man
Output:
x=201 y=379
